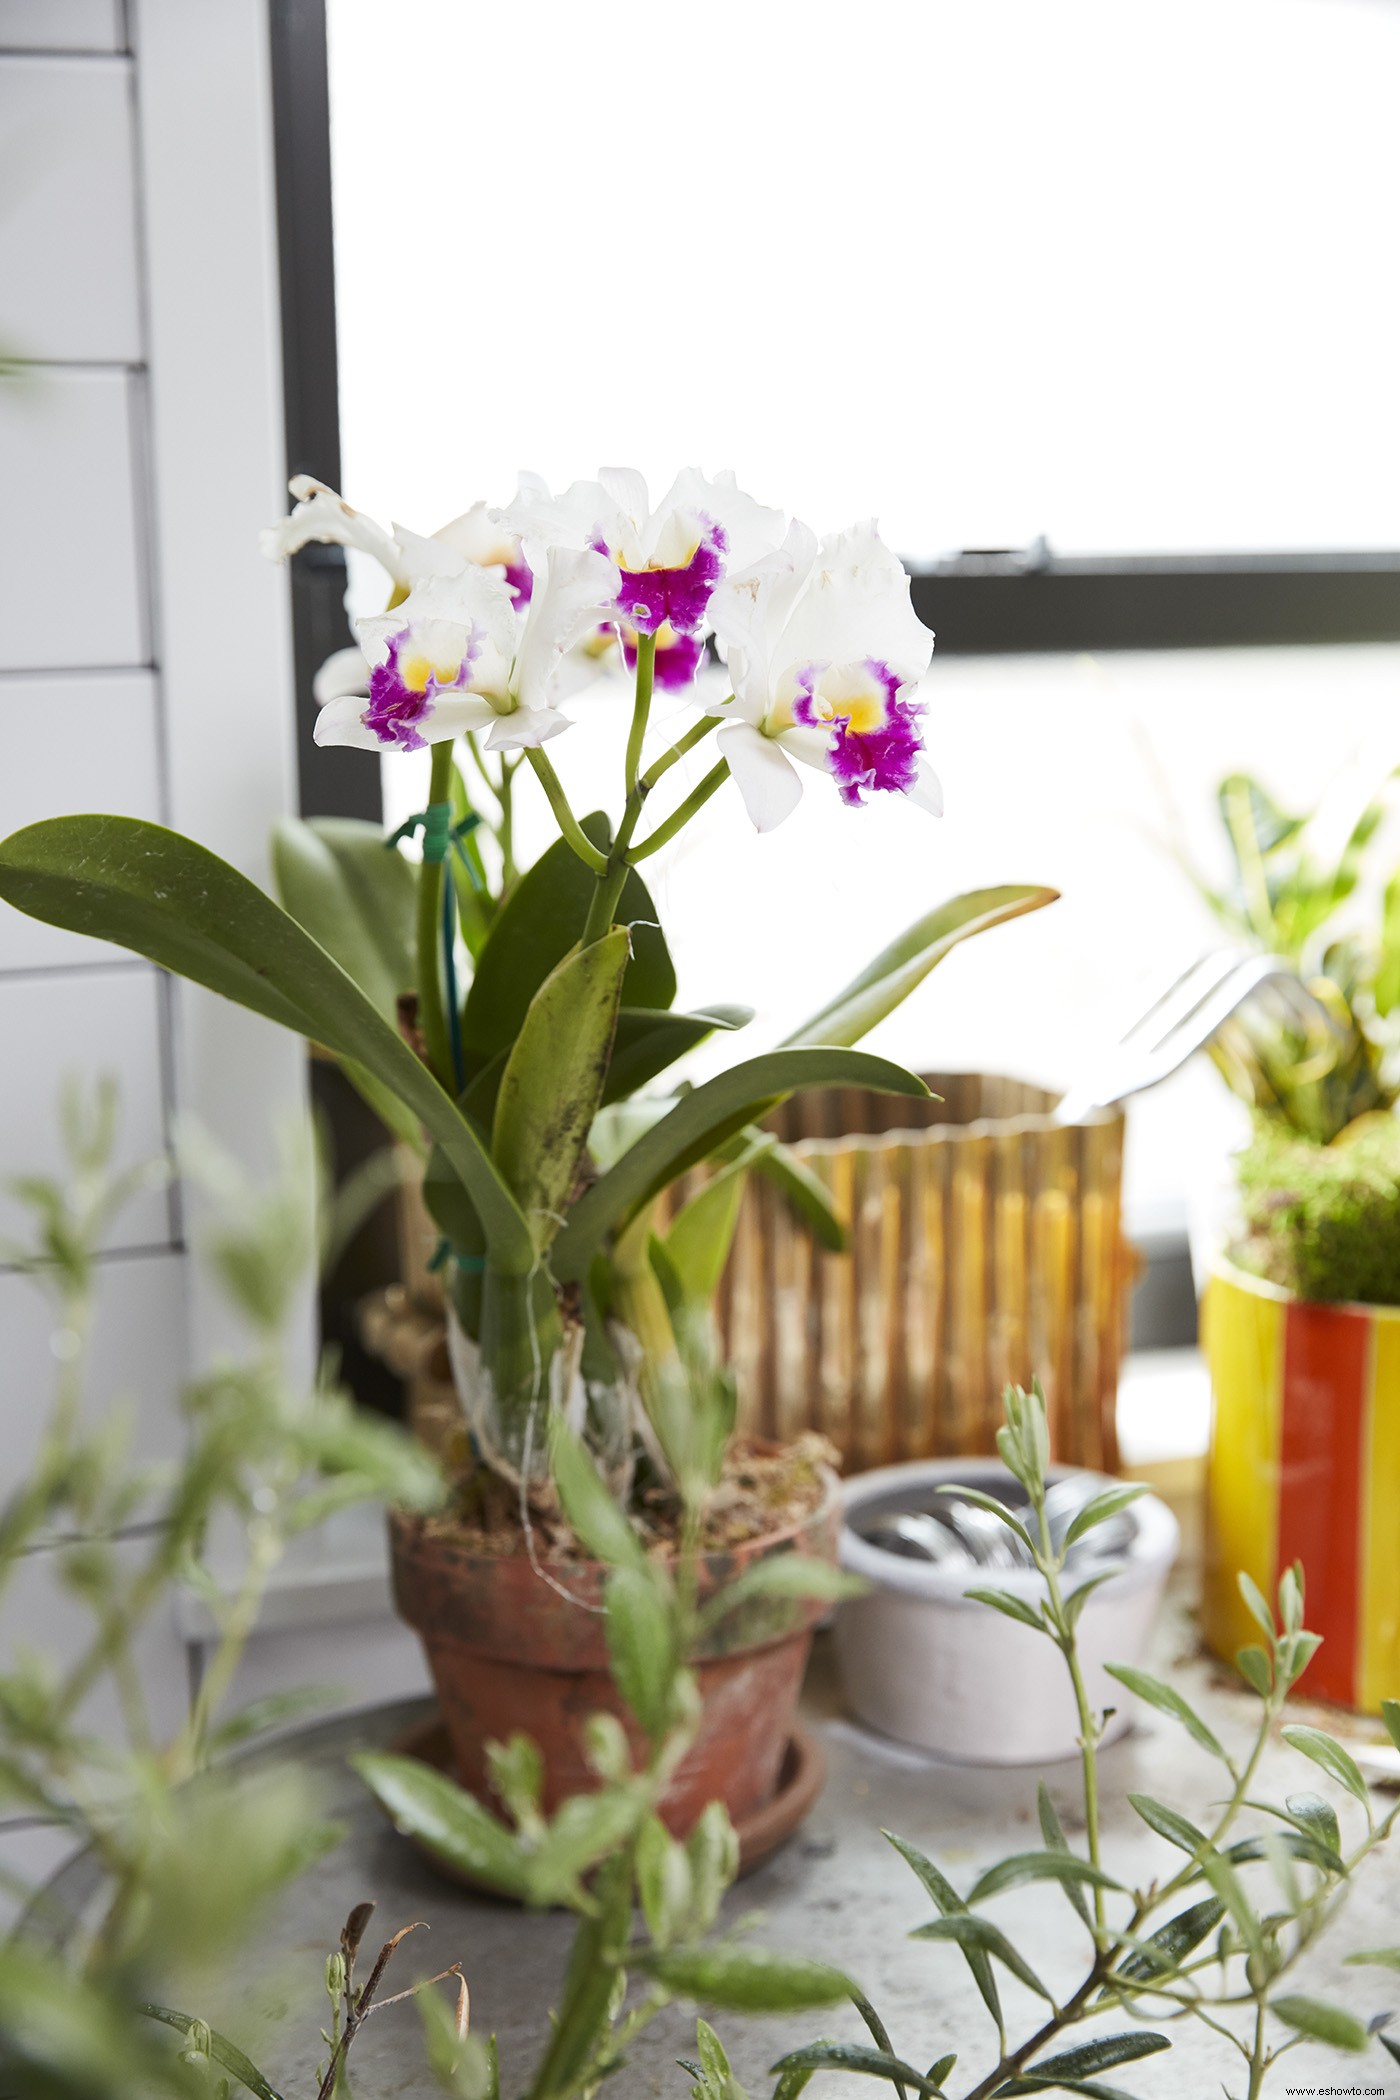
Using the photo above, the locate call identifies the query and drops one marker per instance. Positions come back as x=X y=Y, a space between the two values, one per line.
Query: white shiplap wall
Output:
x=145 y=662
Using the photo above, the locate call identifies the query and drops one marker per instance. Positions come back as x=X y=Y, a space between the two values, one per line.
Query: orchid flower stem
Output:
x=568 y=823
x=679 y=818
x=432 y=1014
x=641 y=707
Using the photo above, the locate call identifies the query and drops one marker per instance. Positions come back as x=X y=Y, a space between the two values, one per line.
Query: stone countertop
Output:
x=836 y=1891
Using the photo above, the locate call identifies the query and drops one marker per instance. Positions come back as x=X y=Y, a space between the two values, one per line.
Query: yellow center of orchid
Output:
x=415 y=671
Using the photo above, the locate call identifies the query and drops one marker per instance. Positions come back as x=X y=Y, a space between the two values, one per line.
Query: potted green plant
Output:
x=543 y=1158
x=1301 y=1319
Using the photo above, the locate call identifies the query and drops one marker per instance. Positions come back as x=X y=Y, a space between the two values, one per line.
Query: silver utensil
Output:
x=1185 y=1017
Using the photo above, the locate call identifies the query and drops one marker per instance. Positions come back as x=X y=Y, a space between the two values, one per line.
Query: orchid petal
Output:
x=927 y=791
x=323 y=515
x=571 y=597
x=762 y=772
x=344 y=671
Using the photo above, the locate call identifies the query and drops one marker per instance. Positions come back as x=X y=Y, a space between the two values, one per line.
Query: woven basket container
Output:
x=986 y=1247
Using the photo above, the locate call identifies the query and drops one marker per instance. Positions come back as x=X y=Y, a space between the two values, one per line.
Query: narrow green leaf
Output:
x=951 y=1903
x=799 y=1576
x=221 y=2049
x=1317 y=1817
x=1052 y=1830
x=1321 y=2022
x=1338 y=1763
x=1168 y=1700
x=806 y=1192
x=162 y=896
x=1258 y=1603
x=1169 y=1945
x=895 y=972
x=451 y=1823
x=586 y=1829
x=1221 y=1875
x=967 y=1929
x=1010 y=1607
x=743 y=1978
x=878 y=2029
x=663 y=1882
x=1078 y=1597
x=1021 y=1867
x=1102 y=1508
x=941 y=2070
x=1298 y=1844
x=699 y=1237
x=641 y=1631
x=1390 y=1712
x=1087 y=2088
x=356 y=896
x=1103 y=2054
x=540 y=921
x=648 y=1042
x=1375 y=1957
x=600 y=1523
x=1253 y=1665
x=993 y=1508
x=700 y=1121
x=859 y=2059
x=552 y=1085
x=1168 y=1824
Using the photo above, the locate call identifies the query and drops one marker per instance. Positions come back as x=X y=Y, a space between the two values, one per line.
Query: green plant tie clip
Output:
x=435 y=823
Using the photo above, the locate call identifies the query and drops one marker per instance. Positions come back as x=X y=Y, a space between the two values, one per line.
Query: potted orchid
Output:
x=544 y=1159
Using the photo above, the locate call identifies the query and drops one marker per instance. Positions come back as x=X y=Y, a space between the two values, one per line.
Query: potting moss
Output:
x=1324 y=1220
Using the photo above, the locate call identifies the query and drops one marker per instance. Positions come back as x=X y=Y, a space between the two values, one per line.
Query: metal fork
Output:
x=1184 y=1019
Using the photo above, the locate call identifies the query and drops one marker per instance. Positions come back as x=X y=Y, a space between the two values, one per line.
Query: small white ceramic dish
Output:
x=927 y=1665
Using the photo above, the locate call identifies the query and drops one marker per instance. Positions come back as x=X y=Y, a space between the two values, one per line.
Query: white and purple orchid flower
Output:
x=669 y=560
x=824 y=652
x=459 y=653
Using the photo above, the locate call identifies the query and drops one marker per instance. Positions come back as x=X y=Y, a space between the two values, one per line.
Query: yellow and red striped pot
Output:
x=1305 y=1465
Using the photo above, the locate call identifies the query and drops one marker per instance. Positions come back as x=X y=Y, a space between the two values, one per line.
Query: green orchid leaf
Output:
x=539 y=922
x=1316 y=1818
x=744 y=1978
x=1169 y=1946
x=968 y=1930
x=896 y=970
x=1168 y=1700
x=699 y=1237
x=1021 y=1867
x=1257 y=1602
x=1390 y=1714
x=806 y=1192
x=699 y=1122
x=452 y=1824
x=1337 y=1763
x=878 y=2030
x=648 y=1042
x=1255 y=1668
x=950 y=1903
x=795 y=1577
x=994 y=1508
x=1374 y=1957
x=124 y=880
x=859 y=2059
x=1320 y=2022
x=354 y=894
x=552 y=1084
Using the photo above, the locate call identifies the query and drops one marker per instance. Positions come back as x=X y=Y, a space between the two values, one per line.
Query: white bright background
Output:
x=1122 y=275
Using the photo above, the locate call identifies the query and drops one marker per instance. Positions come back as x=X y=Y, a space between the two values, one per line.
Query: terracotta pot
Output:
x=509 y=1652
x=1305 y=1465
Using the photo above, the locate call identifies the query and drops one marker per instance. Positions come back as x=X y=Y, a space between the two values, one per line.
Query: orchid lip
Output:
x=875 y=739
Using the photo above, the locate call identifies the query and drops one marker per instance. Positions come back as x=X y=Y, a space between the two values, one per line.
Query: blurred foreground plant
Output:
x=192 y=1849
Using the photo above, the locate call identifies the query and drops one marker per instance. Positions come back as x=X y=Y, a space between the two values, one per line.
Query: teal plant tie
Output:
x=435 y=823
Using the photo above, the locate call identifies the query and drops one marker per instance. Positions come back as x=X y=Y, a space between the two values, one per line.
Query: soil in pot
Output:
x=512 y=1625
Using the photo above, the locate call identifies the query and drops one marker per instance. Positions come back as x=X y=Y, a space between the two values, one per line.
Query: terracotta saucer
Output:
x=800 y=1780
